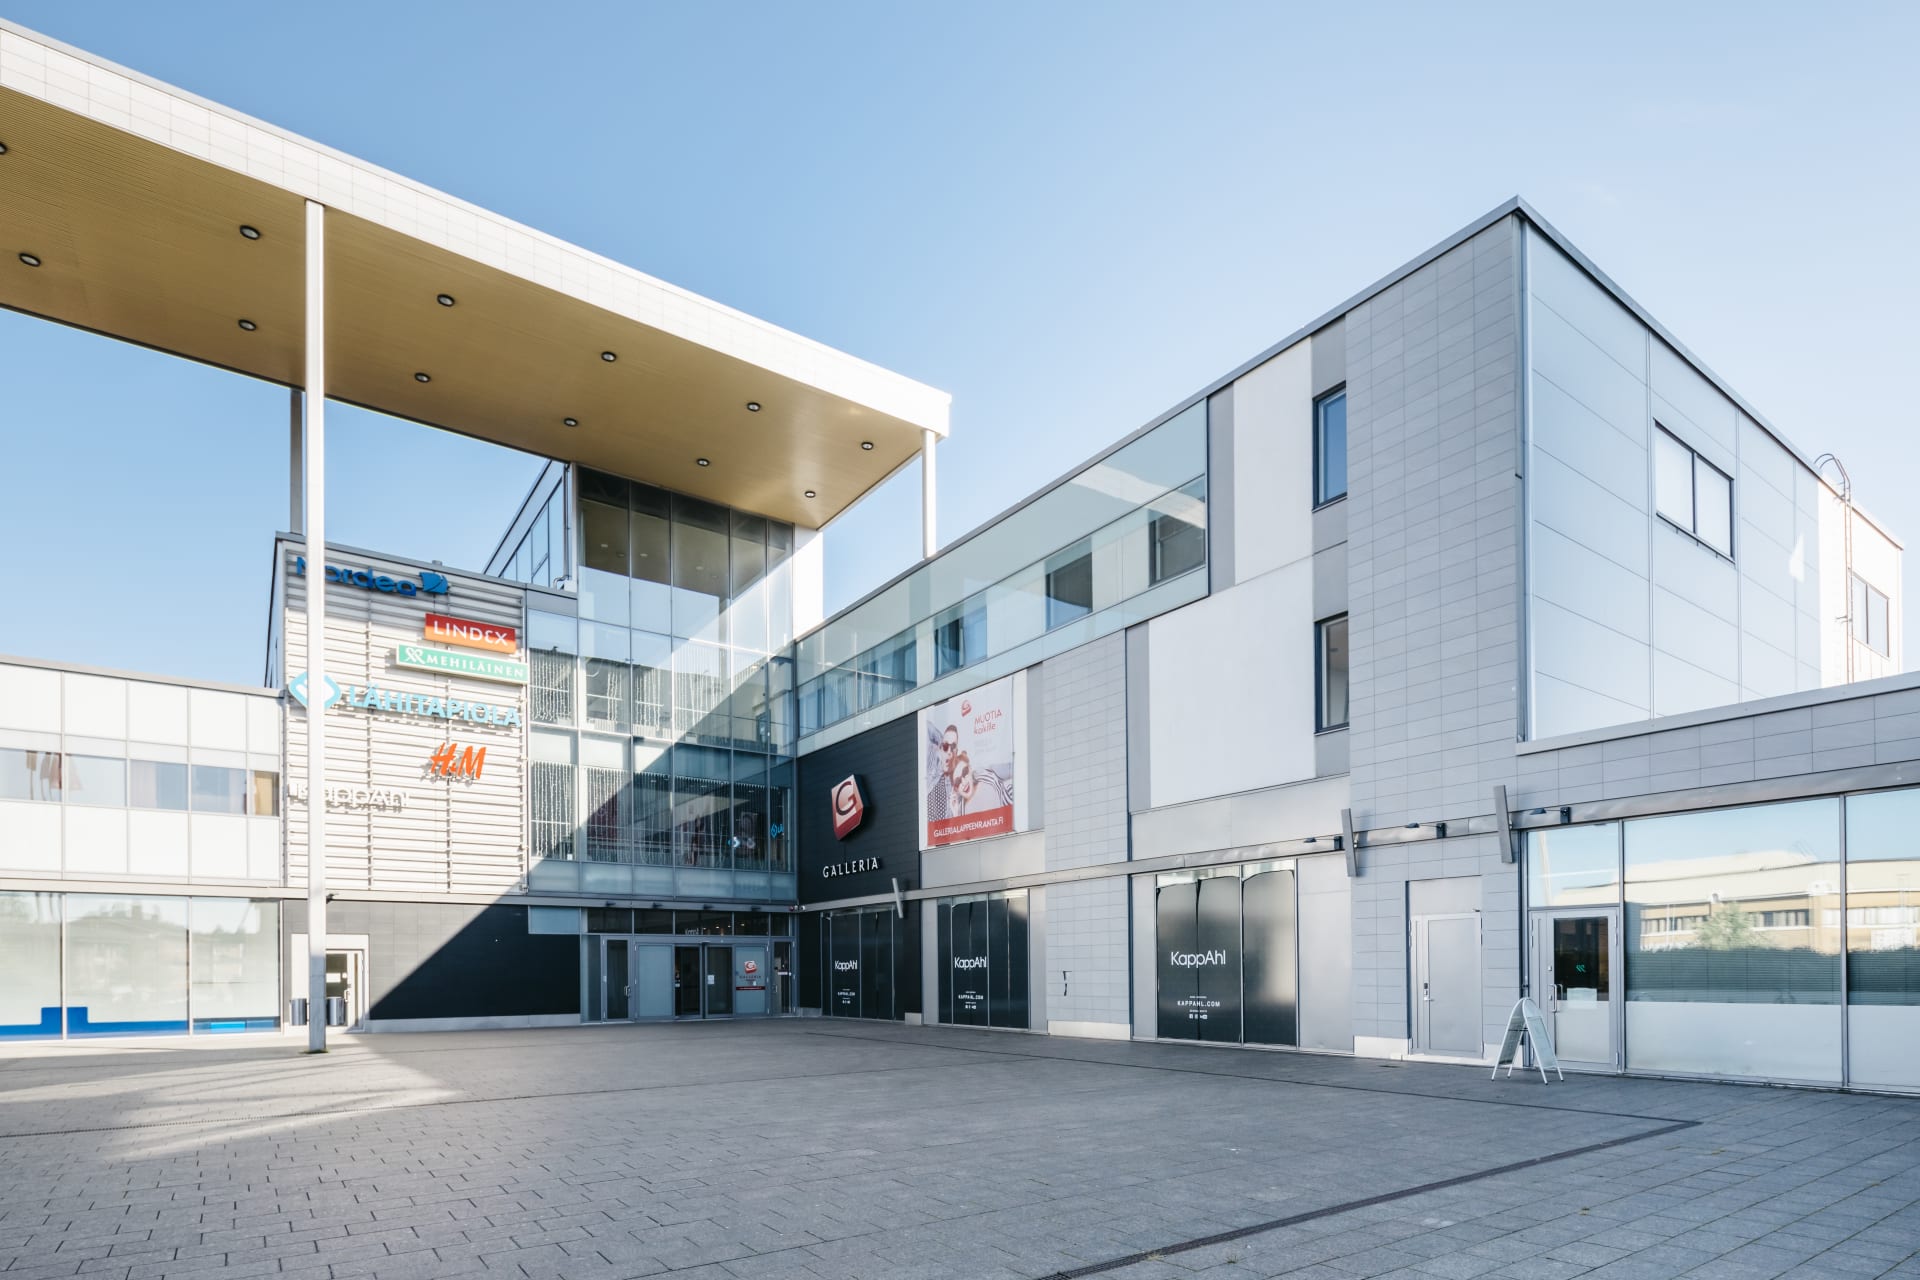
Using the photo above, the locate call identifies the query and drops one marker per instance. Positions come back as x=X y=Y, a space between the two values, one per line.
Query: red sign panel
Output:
x=473 y=635
x=849 y=807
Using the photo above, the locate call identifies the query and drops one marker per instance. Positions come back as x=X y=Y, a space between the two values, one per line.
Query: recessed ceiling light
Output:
x=251 y=233
x=421 y=377
x=569 y=422
x=701 y=462
x=248 y=325
x=32 y=260
x=608 y=356
x=867 y=445
x=812 y=494
x=444 y=299
x=3 y=148
x=753 y=406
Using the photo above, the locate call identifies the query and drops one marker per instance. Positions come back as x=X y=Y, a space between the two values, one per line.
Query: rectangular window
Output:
x=157 y=784
x=960 y=636
x=1691 y=493
x=98 y=780
x=1177 y=533
x=266 y=794
x=218 y=789
x=1069 y=585
x=1331 y=637
x=29 y=775
x=1868 y=612
x=1330 y=447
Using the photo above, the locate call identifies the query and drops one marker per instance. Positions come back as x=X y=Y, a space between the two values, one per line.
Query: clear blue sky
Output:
x=1068 y=215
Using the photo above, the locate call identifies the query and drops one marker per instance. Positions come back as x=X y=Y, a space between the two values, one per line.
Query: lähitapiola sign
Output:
x=397 y=702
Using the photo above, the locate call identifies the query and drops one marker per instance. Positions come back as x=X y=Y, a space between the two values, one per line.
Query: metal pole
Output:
x=929 y=543
x=316 y=548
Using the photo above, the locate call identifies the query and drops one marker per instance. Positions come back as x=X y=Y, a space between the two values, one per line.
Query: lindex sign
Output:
x=479 y=666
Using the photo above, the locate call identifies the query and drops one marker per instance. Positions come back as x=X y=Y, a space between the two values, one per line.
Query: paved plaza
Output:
x=832 y=1149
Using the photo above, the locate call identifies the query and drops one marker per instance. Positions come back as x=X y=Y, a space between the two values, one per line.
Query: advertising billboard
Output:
x=969 y=750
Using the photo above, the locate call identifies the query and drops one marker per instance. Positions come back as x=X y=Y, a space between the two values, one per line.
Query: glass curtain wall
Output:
x=136 y=965
x=663 y=738
x=1882 y=926
x=1065 y=561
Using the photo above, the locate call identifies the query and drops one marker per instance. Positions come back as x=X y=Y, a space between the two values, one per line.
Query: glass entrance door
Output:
x=619 y=980
x=1575 y=963
x=687 y=1001
x=719 y=984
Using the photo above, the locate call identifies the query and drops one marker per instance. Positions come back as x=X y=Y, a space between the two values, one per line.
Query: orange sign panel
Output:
x=474 y=635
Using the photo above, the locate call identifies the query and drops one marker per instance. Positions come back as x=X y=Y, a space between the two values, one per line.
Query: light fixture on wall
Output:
x=569 y=422
x=31 y=259
x=421 y=377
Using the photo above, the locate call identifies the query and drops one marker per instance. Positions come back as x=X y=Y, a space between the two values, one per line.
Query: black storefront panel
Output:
x=982 y=952
x=968 y=964
x=876 y=964
x=1271 y=929
x=843 y=966
x=1010 y=962
x=1197 y=928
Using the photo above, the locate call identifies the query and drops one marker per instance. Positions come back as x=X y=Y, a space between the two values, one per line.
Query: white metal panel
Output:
x=94 y=705
x=1707 y=419
x=1273 y=452
x=157 y=843
x=96 y=840
x=263 y=849
x=263 y=727
x=29 y=836
x=1589 y=654
x=1231 y=689
x=217 y=719
x=29 y=698
x=157 y=713
x=219 y=846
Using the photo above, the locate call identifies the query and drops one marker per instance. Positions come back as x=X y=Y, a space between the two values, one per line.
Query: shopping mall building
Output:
x=1474 y=641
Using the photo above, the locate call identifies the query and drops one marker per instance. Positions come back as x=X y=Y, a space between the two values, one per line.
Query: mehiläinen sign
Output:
x=420 y=657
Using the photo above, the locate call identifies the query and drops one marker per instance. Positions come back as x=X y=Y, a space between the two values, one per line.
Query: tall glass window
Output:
x=1177 y=533
x=1733 y=945
x=605 y=778
x=218 y=789
x=701 y=785
x=1069 y=585
x=236 y=964
x=650 y=562
x=126 y=965
x=960 y=636
x=699 y=554
x=551 y=691
x=550 y=794
x=1691 y=493
x=30 y=959
x=1330 y=447
x=652 y=805
x=1332 y=665
x=1883 y=939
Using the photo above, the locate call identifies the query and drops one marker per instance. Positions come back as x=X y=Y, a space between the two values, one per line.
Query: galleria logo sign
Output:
x=849 y=868
x=1195 y=959
x=849 y=807
x=430 y=584
x=969 y=962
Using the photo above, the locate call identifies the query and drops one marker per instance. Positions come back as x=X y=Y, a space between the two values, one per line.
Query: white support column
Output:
x=296 y=470
x=316 y=546
x=929 y=540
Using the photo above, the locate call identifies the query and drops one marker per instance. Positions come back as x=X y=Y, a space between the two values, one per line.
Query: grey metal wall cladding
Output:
x=454 y=960
x=887 y=761
x=1271 y=967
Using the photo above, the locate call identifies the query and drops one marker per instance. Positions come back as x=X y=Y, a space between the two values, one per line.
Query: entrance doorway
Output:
x=1574 y=963
x=720 y=980
x=346 y=978
x=1446 y=985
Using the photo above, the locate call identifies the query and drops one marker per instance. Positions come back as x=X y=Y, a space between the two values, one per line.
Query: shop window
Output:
x=982 y=952
x=1330 y=639
x=235 y=963
x=30 y=958
x=1330 y=447
x=126 y=965
x=1691 y=493
x=1069 y=585
x=1574 y=866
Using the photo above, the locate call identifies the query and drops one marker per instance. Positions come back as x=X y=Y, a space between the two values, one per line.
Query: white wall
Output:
x=1231 y=689
x=1273 y=463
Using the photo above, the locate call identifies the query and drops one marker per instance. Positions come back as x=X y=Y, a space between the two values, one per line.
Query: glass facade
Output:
x=662 y=723
x=1076 y=561
x=540 y=559
x=1777 y=941
x=88 y=964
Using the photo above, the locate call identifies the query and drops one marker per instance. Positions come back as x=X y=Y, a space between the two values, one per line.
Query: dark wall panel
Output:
x=454 y=960
x=1272 y=981
x=887 y=764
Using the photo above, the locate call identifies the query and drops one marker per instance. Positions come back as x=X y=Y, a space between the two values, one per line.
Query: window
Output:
x=218 y=789
x=97 y=780
x=1331 y=638
x=1867 y=613
x=1177 y=533
x=960 y=636
x=1330 y=447
x=29 y=775
x=1691 y=493
x=266 y=794
x=1070 y=585
x=157 y=784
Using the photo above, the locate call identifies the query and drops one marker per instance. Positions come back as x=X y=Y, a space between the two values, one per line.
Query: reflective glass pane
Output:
x=652 y=570
x=157 y=784
x=652 y=807
x=1883 y=938
x=266 y=794
x=1333 y=673
x=1879 y=639
x=699 y=690
x=652 y=685
x=29 y=775
x=1177 y=533
x=550 y=686
x=1574 y=866
x=603 y=537
x=1713 y=507
x=1069 y=585
x=699 y=556
x=1733 y=946
x=30 y=959
x=236 y=964
x=218 y=789
x=1673 y=479
x=98 y=780
x=1330 y=447
x=126 y=965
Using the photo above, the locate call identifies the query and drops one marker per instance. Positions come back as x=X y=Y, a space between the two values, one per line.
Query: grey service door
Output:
x=1446 y=985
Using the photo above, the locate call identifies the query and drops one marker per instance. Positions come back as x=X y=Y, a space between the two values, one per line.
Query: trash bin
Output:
x=336 y=1011
x=297 y=1016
